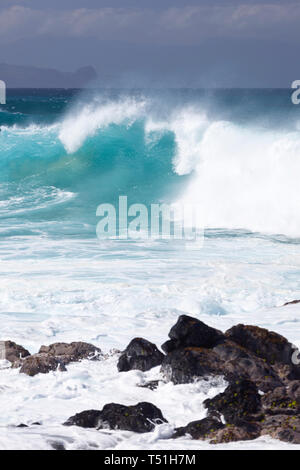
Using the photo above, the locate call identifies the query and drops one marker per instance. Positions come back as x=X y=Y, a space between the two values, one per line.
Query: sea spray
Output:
x=241 y=172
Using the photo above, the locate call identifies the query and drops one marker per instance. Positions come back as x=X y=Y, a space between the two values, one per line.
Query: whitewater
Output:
x=235 y=154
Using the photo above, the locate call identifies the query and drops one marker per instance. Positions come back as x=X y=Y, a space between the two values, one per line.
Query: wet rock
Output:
x=232 y=433
x=139 y=418
x=240 y=402
x=274 y=400
x=57 y=445
x=152 y=385
x=226 y=359
x=140 y=354
x=287 y=372
x=293 y=302
x=282 y=400
x=41 y=364
x=12 y=352
x=85 y=419
x=191 y=332
x=186 y=365
x=72 y=352
x=293 y=390
x=170 y=346
x=242 y=363
x=291 y=435
x=200 y=429
x=229 y=356
x=265 y=344
x=283 y=427
x=22 y=425
x=212 y=429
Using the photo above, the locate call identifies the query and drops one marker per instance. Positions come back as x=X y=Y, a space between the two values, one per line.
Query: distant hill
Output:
x=18 y=76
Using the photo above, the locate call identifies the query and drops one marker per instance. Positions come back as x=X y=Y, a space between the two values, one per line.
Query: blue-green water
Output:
x=64 y=152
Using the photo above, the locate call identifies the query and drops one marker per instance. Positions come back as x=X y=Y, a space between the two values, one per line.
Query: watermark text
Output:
x=157 y=221
x=2 y=92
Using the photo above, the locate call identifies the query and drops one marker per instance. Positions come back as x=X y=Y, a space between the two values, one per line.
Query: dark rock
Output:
x=140 y=354
x=213 y=429
x=191 y=332
x=238 y=362
x=57 y=445
x=265 y=344
x=240 y=402
x=291 y=435
x=199 y=429
x=12 y=352
x=283 y=427
x=248 y=352
x=139 y=418
x=85 y=419
x=40 y=364
x=152 y=385
x=282 y=400
x=170 y=345
x=22 y=425
x=226 y=359
x=72 y=352
x=232 y=433
x=293 y=390
x=231 y=358
x=186 y=365
x=293 y=302
x=287 y=372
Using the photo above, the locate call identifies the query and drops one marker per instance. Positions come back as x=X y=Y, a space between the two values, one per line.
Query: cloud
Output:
x=251 y=20
x=17 y=21
x=185 y=25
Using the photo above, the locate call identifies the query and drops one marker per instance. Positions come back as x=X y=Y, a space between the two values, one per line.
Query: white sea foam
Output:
x=30 y=129
x=108 y=293
x=34 y=199
x=243 y=177
x=51 y=399
x=188 y=126
x=80 y=125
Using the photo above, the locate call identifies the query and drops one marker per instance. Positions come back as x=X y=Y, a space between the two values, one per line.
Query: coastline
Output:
x=169 y=396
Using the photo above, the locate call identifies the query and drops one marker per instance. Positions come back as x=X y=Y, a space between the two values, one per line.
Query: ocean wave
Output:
x=240 y=175
x=95 y=116
x=31 y=200
x=247 y=178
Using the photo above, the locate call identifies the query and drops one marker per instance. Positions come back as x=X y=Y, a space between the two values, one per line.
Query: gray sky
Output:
x=158 y=42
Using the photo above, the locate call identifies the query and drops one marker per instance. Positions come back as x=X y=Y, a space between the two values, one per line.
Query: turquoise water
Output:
x=65 y=152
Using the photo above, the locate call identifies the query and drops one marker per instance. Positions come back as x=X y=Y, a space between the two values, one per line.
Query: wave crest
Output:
x=76 y=129
x=242 y=176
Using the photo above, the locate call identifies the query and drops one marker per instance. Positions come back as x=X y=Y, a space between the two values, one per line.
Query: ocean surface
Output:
x=233 y=153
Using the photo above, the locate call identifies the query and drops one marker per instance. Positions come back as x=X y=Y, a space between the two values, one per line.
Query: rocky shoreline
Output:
x=261 y=367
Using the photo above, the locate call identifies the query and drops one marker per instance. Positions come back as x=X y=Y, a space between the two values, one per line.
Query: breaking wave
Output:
x=242 y=175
